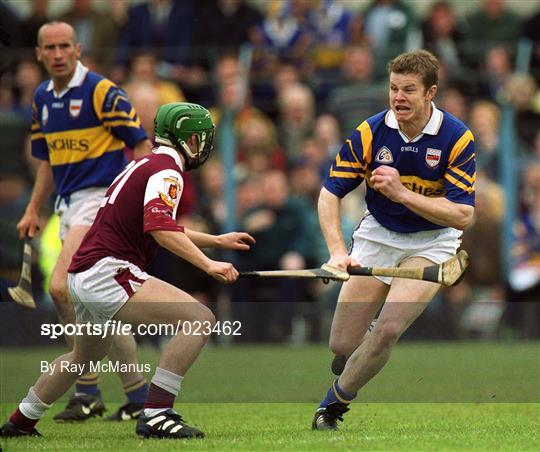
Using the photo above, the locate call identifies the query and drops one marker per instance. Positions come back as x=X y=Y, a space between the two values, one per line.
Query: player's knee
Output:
x=339 y=346
x=207 y=317
x=199 y=313
x=385 y=335
x=58 y=290
x=80 y=357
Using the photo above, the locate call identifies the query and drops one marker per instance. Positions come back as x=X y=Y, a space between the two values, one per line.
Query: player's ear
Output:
x=78 y=49
x=432 y=90
x=38 y=54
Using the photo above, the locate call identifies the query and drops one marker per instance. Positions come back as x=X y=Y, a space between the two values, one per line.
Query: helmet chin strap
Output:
x=189 y=156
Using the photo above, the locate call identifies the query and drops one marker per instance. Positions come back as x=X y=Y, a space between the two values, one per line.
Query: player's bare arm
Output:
x=142 y=148
x=180 y=244
x=437 y=210
x=329 y=209
x=43 y=188
x=240 y=241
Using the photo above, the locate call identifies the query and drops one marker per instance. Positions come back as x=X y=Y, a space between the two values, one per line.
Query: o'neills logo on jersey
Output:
x=170 y=192
x=44 y=115
x=384 y=156
x=433 y=157
x=75 y=106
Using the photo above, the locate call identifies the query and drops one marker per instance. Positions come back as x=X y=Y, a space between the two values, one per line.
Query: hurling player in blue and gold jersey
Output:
x=418 y=164
x=81 y=123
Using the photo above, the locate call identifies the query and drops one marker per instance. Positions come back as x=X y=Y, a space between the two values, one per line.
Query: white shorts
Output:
x=375 y=246
x=81 y=209
x=99 y=292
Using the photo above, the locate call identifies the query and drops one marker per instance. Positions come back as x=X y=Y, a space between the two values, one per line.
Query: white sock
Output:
x=167 y=380
x=151 y=412
x=32 y=406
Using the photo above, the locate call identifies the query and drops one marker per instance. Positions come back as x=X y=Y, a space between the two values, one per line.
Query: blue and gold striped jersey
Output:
x=440 y=162
x=83 y=130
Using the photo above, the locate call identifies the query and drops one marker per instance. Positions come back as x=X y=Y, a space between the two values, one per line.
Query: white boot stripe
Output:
x=175 y=429
x=156 y=420
x=167 y=424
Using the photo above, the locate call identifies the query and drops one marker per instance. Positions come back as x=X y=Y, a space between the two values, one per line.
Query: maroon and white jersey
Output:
x=143 y=198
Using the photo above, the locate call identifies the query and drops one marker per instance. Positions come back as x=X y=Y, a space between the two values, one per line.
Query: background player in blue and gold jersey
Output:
x=81 y=123
x=419 y=166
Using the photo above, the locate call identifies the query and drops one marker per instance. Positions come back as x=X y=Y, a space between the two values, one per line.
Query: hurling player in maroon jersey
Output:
x=108 y=283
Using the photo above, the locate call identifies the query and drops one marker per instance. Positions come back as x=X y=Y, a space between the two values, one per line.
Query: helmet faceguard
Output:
x=174 y=125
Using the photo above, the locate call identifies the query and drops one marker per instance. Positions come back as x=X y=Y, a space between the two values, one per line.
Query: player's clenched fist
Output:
x=386 y=180
x=223 y=271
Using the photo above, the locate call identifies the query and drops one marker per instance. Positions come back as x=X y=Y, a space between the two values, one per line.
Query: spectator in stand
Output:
x=331 y=24
x=489 y=26
x=285 y=75
x=524 y=277
x=164 y=26
x=284 y=35
x=278 y=216
x=453 y=101
x=233 y=96
x=296 y=118
x=144 y=99
x=484 y=276
x=248 y=194
x=444 y=38
x=257 y=145
x=10 y=39
x=305 y=181
x=232 y=23
x=536 y=148
x=523 y=93
x=28 y=76
x=357 y=96
x=495 y=73
x=313 y=153
x=211 y=205
x=392 y=28
x=484 y=120
x=7 y=98
x=476 y=304
x=327 y=132
x=267 y=94
x=229 y=69
x=97 y=31
x=143 y=70
x=233 y=92
x=532 y=32
x=39 y=15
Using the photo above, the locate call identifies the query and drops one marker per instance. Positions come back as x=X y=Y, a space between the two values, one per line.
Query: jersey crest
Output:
x=433 y=157
x=75 y=106
x=384 y=155
x=170 y=193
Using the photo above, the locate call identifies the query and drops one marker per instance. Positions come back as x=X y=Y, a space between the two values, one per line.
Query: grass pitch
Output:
x=439 y=396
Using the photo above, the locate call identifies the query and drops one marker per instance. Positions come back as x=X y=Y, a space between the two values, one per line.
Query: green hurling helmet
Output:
x=176 y=122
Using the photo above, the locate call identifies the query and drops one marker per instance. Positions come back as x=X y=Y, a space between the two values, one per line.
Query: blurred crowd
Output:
x=297 y=77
